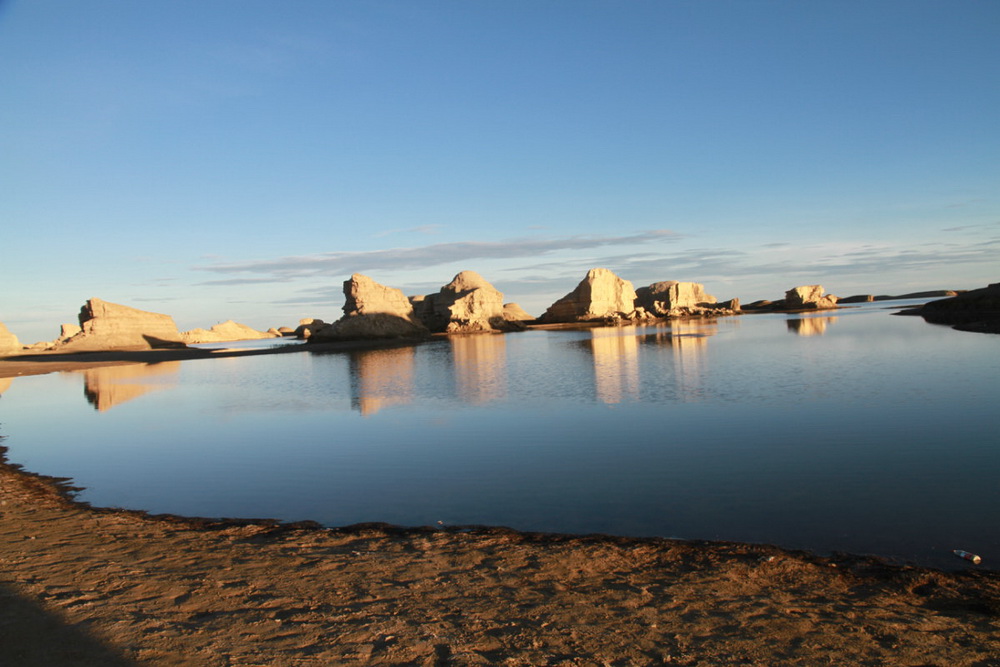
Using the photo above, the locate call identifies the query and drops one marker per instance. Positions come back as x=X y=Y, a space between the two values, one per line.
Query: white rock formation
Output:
x=468 y=304
x=8 y=341
x=225 y=332
x=677 y=299
x=110 y=326
x=809 y=296
x=512 y=312
x=600 y=296
x=372 y=310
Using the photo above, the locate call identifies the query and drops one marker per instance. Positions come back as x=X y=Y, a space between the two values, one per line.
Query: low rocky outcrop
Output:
x=672 y=298
x=225 y=332
x=600 y=296
x=977 y=310
x=308 y=326
x=927 y=294
x=372 y=310
x=468 y=304
x=858 y=298
x=8 y=342
x=111 y=326
x=512 y=312
x=809 y=297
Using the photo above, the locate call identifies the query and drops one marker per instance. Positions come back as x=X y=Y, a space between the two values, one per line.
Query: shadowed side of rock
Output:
x=371 y=310
x=111 y=326
x=977 y=310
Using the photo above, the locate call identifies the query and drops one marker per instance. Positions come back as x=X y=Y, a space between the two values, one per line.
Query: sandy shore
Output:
x=84 y=586
x=39 y=363
x=101 y=587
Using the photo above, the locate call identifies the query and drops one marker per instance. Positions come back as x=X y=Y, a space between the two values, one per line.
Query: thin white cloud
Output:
x=339 y=263
x=422 y=229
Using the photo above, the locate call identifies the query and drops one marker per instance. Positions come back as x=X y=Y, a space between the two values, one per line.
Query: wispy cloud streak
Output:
x=335 y=263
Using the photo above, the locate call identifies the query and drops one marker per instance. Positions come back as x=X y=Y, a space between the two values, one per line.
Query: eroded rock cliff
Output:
x=372 y=310
x=601 y=295
x=111 y=326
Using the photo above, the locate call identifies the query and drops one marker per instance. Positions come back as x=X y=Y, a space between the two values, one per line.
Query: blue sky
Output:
x=240 y=159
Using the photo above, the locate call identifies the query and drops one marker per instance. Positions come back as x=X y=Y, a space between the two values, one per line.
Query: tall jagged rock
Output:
x=8 y=341
x=468 y=304
x=600 y=296
x=225 y=332
x=372 y=310
x=809 y=296
x=110 y=326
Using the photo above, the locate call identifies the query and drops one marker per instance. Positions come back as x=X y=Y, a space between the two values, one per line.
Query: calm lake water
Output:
x=853 y=431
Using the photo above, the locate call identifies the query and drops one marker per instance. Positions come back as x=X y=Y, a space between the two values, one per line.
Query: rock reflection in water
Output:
x=616 y=363
x=810 y=326
x=480 y=362
x=380 y=378
x=688 y=342
x=5 y=384
x=113 y=385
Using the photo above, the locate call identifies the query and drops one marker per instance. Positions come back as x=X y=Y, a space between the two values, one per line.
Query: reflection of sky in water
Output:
x=874 y=434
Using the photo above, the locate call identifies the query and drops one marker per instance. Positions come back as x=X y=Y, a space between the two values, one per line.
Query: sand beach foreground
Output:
x=95 y=586
x=85 y=586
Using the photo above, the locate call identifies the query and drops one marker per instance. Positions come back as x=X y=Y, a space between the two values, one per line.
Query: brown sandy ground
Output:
x=81 y=586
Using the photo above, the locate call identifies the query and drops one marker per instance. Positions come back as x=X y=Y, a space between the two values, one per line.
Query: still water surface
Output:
x=855 y=431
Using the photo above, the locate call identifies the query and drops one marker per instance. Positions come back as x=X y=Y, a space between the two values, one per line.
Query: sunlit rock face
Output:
x=468 y=304
x=8 y=341
x=512 y=312
x=809 y=296
x=372 y=310
x=602 y=295
x=672 y=298
x=364 y=296
x=225 y=332
x=110 y=326
x=67 y=331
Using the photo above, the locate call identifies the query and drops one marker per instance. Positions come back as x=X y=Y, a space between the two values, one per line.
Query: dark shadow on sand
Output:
x=30 y=636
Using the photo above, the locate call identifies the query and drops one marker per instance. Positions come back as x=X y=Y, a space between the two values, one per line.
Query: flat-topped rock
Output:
x=8 y=341
x=225 y=332
x=111 y=326
x=858 y=298
x=364 y=296
x=601 y=295
x=372 y=310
